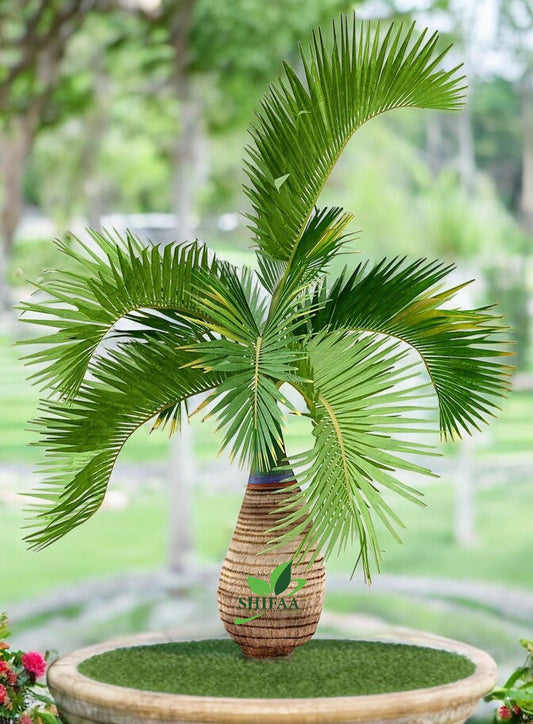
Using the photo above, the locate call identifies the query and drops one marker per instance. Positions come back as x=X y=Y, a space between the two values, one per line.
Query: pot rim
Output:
x=65 y=679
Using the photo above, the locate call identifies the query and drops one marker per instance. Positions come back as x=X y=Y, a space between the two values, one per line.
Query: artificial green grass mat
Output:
x=322 y=667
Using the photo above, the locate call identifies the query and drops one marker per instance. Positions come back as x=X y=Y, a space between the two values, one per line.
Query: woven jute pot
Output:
x=284 y=620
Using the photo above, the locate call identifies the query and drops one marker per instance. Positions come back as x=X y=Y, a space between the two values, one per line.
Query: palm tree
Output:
x=241 y=337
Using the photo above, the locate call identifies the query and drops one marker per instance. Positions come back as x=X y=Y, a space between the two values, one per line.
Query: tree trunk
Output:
x=466 y=159
x=181 y=472
x=5 y=297
x=434 y=143
x=526 y=196
x=181 y=479
x=95 y=126
x=44 y=60
x=17 y=147
x=465 y=521
x=465 y=136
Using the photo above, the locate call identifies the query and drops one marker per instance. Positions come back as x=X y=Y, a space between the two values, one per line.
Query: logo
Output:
x=268 y=593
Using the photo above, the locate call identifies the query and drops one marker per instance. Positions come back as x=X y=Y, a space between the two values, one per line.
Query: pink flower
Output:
x=34 y=662
x=7 y=673
x=504 y=713
x=25 y=719
x=3 y=693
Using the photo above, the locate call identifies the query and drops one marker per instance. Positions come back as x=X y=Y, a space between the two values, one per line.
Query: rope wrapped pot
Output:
x=268 y=603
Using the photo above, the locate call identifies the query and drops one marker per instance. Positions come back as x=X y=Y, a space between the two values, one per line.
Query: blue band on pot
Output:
x=281 y=476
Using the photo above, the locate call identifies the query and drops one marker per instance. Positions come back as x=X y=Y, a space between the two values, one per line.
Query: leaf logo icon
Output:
x=280 y=580
x=257 y=585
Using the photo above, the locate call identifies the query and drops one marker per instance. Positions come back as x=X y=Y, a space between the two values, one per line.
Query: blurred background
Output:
x=133 y=114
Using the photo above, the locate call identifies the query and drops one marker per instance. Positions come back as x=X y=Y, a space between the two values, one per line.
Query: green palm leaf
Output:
x=114 y=279
x=461 y=349
x=322 y=238
x=249 y=401
x=302 y=127
x=131 y=385
x=362 y=401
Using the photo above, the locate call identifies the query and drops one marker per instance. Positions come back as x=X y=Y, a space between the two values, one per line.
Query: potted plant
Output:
x=516 y=695
x=23 y=699
x=241 y=337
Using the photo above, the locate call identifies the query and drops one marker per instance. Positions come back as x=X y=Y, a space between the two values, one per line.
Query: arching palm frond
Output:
x=322 y=238
x=361 y=407
x=115 y=278
x=302 y=127
x=249 y=402
x=461 y=349
x=84 y=437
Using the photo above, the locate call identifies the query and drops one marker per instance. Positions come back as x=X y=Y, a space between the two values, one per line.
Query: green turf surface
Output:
x=323 y=667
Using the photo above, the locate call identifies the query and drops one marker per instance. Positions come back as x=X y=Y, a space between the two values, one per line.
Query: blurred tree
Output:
x=113 y=153
x=498 y=133
x=34 y=35
x=515 y=39
x=515 y=33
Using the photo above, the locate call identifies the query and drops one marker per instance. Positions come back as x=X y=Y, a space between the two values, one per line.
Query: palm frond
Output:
x=249 y=402
x=116 y=278
x=130 y=386
x=463 y=350
x=322 y=239
x=363 y=403
x=303 y=126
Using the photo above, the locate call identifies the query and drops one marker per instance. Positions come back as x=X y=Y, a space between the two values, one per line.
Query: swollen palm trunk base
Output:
x=268 y=604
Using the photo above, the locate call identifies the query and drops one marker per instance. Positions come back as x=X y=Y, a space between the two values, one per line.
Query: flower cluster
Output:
x=22 y=698
x=516 y=694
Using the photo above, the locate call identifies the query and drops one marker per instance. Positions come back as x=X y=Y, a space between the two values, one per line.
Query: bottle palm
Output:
x=240 y=337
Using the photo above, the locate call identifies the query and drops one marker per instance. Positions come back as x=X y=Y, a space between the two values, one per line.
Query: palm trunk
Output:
x=526 y=196
x=273 y=619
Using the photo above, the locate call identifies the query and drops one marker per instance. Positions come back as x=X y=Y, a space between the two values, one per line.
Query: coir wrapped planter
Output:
x=269 y=631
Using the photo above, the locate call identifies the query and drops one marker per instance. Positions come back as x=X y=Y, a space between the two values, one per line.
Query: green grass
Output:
x=29 y=258
x=512 y=432
x=18 y=399
x=111 y=542
x=319 y=668
x=135 y=538
x=499 y=554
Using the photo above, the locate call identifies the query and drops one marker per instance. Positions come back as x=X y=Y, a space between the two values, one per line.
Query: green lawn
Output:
x=511 y=435
x=111 y=542
x=136 y=539
x=18 y=400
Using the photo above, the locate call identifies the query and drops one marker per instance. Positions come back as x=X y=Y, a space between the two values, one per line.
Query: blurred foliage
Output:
x=402 y=207
x=507 y=282
x=112 y=120
x=497 y=130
